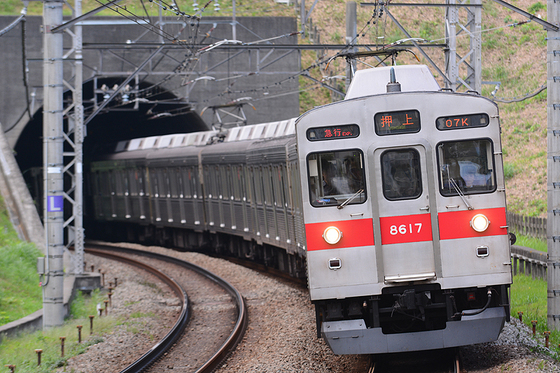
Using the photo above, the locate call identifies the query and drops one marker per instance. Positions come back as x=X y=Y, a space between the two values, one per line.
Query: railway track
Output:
x=183 y=278
x=437 y=361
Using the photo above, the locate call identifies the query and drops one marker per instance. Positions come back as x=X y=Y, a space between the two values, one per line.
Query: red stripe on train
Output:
x=355 y=233
x=456 y=224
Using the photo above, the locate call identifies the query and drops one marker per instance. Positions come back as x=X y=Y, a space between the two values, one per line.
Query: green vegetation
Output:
x=529 y=296
x=536 y=7
x=533 y=243
x=20 y=351
x=245 y=8
x=20 y=293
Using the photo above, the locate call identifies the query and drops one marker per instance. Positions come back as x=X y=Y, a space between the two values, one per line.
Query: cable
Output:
x=23 y=13
x=519 y=99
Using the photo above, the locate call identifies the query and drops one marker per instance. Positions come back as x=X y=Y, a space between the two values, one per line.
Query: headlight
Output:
x=332 y=235
x=480 y=223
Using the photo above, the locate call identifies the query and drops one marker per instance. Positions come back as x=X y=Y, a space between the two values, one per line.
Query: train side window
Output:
x=163 y=183
x=267 y=185
x=336 y=177
x=126 y=186
x=173 y=182
x=105 y=183
x=259 y=194
x=155 y=190
x=186 y=181
x=118 y=182
x=238 y=188
x=215 y=174
x=466 y=167
x=140 y=174
x=401 y=174
x=278 y=191
x=224 y=182
x=133 y=182
x=245 y=186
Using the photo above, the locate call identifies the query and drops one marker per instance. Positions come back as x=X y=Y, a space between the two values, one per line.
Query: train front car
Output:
x=405 y=215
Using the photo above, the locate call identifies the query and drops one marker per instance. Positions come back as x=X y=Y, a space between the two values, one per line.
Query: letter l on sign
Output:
x=55 y=203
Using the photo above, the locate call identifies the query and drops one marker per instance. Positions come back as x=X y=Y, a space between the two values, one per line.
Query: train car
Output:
x=391 y=202
x=405 y=215
x=234 y=192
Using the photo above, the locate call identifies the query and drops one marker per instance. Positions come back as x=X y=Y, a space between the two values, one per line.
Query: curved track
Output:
x=169 y=340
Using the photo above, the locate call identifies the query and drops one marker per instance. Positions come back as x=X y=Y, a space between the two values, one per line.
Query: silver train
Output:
x=392 y=202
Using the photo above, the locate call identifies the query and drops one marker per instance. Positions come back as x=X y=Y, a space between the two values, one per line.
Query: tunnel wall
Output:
x=15 y=99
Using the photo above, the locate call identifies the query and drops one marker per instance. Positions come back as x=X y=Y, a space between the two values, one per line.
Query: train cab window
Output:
x=466 y=167
x=401 y=174
x=336 y=178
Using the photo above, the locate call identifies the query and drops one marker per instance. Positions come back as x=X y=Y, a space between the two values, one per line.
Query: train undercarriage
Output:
x=206 y=242
x=432 y=314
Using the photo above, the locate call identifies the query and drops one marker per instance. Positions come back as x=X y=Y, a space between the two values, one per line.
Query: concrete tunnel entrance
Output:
x=162 y=114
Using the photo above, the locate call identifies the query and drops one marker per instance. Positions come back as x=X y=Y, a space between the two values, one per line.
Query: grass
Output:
x=533 y=243
x=20 y=351
x=20 y=293
x=245 y=8
x=529 y=296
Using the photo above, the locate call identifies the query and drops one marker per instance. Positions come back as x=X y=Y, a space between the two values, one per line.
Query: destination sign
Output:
x=333 y=132
x=397 y=122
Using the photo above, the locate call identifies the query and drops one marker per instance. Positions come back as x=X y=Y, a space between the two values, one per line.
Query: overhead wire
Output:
x=519 y=99
x=188 y=66
x=15 y=22
x=23 y=20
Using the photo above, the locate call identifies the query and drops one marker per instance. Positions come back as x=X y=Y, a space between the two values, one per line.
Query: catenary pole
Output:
x=351 y=31
x=553 y=166
x=53 y=280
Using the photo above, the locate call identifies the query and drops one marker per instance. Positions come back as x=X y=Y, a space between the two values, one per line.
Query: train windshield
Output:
x=401 y=174
x=336 y=178
x=466 y=167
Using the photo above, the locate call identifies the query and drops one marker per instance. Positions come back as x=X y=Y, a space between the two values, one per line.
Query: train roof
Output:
x=412 y=78
x=243 y=133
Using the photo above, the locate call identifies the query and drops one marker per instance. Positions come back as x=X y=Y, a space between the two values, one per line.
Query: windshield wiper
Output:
x=350 y=199
x=460 y=193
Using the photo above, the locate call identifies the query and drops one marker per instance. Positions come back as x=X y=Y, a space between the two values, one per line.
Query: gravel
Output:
x=281 y=335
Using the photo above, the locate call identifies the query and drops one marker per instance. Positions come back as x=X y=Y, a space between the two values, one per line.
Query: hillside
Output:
x=515 y=56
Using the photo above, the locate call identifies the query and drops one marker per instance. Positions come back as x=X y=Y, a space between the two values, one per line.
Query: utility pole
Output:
x=53 y=217
x=553 y=166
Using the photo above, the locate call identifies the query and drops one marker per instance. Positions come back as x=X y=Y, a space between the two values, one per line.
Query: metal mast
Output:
x=351 y=31
x=74 y=137
x=53 y=308
x=471 y=61
x=553 y=167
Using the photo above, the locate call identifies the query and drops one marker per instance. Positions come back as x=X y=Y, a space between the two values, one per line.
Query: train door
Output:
x=404 y=220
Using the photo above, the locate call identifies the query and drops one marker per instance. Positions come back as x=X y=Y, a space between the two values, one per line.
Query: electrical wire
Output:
x=519 y=99
x=19 y=19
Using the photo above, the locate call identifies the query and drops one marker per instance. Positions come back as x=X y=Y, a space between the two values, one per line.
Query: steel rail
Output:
x=157 y=351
